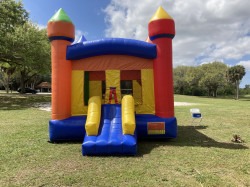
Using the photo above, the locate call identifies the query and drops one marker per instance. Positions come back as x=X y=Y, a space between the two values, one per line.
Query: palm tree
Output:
x=235 y=74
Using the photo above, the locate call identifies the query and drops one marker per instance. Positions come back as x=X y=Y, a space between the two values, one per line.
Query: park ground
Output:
x=201 y=155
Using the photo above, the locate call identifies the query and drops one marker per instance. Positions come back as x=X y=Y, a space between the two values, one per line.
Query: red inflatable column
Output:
x=161 y=32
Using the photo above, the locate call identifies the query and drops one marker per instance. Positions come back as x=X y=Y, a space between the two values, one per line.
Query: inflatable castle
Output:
x=110 y=92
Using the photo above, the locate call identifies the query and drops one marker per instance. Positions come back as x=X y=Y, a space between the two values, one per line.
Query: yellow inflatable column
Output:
x=128 y=115
x=94 y=116
x=113 y=80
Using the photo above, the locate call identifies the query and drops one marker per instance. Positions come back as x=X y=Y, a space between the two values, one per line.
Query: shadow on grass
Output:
x=21 y=101
x=187 y=136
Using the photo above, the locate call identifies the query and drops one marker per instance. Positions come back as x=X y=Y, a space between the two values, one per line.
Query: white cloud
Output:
x=205 y=30
x=79 y=33
x=246 y=64
x=40 y=26
x=209 y=62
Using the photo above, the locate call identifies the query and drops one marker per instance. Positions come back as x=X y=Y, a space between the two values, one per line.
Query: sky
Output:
x=206 y=30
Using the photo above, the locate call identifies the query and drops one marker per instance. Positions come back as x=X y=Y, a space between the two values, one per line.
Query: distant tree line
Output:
x=24 y=48
x=246 y=90
x=210 y=79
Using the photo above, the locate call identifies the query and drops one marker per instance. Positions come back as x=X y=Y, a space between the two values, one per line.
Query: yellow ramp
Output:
x=94 y=116
x=128 y=115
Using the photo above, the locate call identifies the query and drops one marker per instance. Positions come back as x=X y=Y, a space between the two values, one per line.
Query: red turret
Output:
x=161 y=32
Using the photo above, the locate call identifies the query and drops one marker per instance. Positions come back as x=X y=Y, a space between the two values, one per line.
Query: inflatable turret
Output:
x=161 y=32
x=61 y=33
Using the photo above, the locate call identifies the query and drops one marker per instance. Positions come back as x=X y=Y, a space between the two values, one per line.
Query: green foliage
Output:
x=12 y=14
x=180 y=80
x=6 y=73
x=33 y=47
x=30 y=52
x=246 y=90
x=34 y=53
x=207 y=79
x=235 y=74
x=194 y=76
x=23 y=45
x=214 y=77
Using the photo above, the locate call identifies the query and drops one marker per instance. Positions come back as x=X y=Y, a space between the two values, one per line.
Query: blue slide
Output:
x=110 y=139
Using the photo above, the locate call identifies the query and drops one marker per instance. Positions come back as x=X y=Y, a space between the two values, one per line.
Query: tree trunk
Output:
x=193 y=91
x=8 y=84
x=22 y=82
x=182 y=91
x=5 y=82
x=237 y=89
x=210 y=93
x=215 y=92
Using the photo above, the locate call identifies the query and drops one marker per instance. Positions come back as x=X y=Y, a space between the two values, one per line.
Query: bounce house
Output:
x=110 y=92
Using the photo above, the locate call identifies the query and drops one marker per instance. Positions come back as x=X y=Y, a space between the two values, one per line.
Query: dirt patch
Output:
x=185 y=104
x=43 y=106
x=47 y=106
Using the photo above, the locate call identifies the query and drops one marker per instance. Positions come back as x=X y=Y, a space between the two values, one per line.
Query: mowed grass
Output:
x=200 y=156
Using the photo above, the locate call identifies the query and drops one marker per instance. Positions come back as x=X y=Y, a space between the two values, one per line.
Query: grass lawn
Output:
x=200 y=156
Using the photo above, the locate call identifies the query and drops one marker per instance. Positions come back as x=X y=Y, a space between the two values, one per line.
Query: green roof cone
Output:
x=60 y=15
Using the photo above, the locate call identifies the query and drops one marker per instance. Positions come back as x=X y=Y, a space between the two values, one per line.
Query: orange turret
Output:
x=61 y=33
x=161 y=32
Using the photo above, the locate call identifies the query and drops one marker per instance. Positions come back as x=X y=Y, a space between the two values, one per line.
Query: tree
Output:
x=6 y=72
x=193 y=77
x=235 y=75
x=32 y=53
x=12 y=14
x=214 y=77
x=246 y=90
x=24 y=47
x=180 y=82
